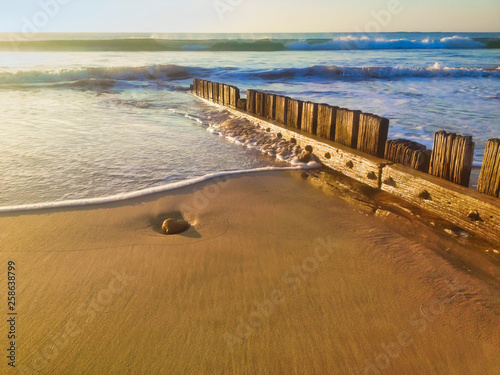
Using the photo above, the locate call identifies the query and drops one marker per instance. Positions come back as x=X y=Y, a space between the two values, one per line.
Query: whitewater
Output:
x=92 y=117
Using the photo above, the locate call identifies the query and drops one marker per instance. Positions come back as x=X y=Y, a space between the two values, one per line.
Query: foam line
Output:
x=138 y=193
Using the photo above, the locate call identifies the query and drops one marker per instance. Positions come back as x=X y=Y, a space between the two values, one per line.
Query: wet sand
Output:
x=274 y=277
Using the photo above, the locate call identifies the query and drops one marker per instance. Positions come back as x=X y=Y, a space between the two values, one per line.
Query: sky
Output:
x=249 y=16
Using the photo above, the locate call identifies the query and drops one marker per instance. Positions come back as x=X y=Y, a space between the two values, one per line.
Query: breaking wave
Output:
x=107 y=78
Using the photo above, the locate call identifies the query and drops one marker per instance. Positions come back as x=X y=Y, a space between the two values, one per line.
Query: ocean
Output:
x=88 y=116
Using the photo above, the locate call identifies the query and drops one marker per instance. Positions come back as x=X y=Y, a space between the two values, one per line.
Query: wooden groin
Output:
x=355 y=144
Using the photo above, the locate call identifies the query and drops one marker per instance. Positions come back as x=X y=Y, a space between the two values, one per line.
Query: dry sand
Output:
x=274 y=277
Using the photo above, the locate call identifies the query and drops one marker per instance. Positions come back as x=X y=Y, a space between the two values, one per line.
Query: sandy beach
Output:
x=273 y=277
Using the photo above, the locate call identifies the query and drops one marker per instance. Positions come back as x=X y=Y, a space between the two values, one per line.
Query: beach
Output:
x=275 y=276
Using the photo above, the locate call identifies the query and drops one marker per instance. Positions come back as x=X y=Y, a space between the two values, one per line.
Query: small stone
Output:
x=174 y=226
x=305 y=157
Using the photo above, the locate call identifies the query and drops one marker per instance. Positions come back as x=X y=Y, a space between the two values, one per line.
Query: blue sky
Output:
x=248 y=15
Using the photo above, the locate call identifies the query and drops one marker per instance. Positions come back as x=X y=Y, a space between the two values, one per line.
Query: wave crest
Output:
x=106 y=78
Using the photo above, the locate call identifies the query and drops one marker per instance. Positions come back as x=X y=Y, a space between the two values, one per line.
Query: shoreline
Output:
x=123 y=197
x=276 y=275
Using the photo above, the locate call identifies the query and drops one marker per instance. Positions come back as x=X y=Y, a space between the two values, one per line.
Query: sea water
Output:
x=93 y=116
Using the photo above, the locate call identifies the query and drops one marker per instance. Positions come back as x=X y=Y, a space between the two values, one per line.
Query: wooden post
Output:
x=199 y=88
x=227 y=95
x=294 y=113
x=251 y=101
x=205 y=89
x=408 y=153
x=195 y=83
x=309 y=117
x=489 y=178
x=234 y=93
x=221 y=94
x=210 y=91
x=347 y=127
x=451 y=157
x=270 y=107
x=373 y=132
x=327 y=118
x=281 y=109
x=260 y=103
x=215 y=89
x=242 y=104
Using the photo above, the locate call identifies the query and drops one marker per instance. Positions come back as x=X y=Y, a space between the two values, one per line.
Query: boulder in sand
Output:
x=174 y=226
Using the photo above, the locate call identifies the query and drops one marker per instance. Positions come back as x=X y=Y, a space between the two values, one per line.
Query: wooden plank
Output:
x=234 y=96
x=489 y=178
x=294 y=113
x=221 y=94
x=205 y=90
x=461 y=206
x=199 y=88
x=270 y=107
x=347 y=127
x=408 y=153
x=327 y=118
x=227 y=95
x=309 y=122
x=372 y=134
x=281 y=109
x=260 y=103
x=215 y=89
x=210 y=91
x=242 y=104
x=451 y=157
x=251 y=101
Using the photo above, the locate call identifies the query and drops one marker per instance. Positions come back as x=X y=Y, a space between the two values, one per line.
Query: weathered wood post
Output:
x=372 y=134
x=205 y=89
x=227 y=95
x=270 y=106
x=221 y=94
x=347 y=127
x=281 y=109
x=199 y=88
x=451 y=157
x=327 y=118
x=251 y=101
x=234 y=94
x=242 y=104
x=294 y=113
x=489 y=178
x=210 y=91
x=260 y=103
x=215 y=92
x=309 y=117
x=408 y=153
